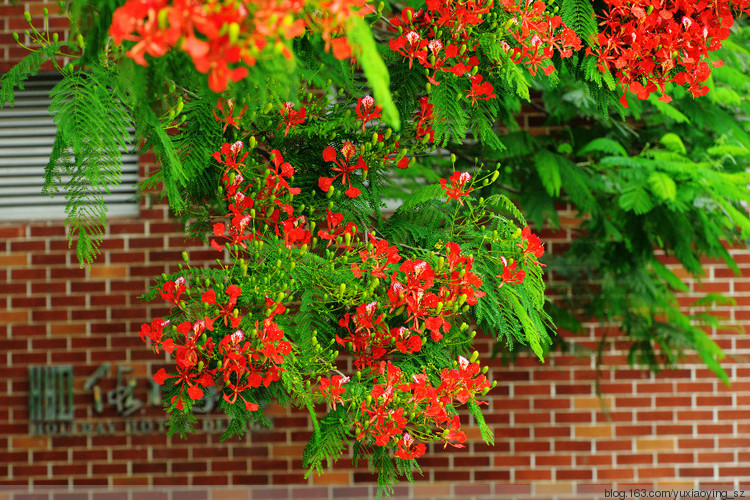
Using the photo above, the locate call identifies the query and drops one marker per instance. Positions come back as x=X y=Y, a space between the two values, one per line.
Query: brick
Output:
x=592 y=403
x=592 y=460
x=712 y=429
x=572 y=445
x=99 y=272
x=655 y=444
x=614 y=474
x=734 y=472
x=696 y=472
x=633 y=430
x=509 y=461
x=53 y=259
x=531 y=446
x=711 y=458
x=656 y=472
x=632 y=459
x=573 y=389
x=533 y=475
x=664 y=429
x=593 y=431
x=47 y=231
x=662 y=401
x=614 y=445
x=12 y=232
x=29 y=443
x=14 y=259
x=575 y=417
x=573 y=474
x=14 y=316
x=552 y=460
x=27 y=245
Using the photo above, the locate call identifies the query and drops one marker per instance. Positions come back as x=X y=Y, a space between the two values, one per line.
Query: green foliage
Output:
x=451 y=117
x=579 y=15
x=92 y=130
x=29 y=66
x=327 y=442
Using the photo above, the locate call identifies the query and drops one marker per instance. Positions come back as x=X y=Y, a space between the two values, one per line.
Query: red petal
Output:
x=168 y=345
x=195 y=392
x=209 y=297
x=329 y=154
x=325 y=183
x=341 y=48
x=160 y=376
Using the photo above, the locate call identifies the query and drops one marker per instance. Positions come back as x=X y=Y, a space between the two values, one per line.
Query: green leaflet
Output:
x=486 y=432
x=663 y=186
x=635 y=199
x=549 y=171
x=579 y=16
x=92 y=130
x=604 y=145
x=673 y=142
x=26 y=68
x=374 y=68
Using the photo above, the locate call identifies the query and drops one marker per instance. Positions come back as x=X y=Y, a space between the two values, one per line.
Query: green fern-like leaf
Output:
x=18 y=74
x=451 y=118
x=92 y=130
x=579 y=16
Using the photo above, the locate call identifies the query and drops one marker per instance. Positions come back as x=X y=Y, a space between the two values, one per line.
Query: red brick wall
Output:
x=12 y=21
x=678 y=430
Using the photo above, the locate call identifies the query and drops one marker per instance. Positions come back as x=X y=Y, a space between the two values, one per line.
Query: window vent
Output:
x=27 y=134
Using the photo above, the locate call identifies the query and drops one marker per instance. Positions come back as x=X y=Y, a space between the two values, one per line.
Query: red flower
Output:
x=335 y=231
x=230 y=153
x=294 y=232
x=171 y=291
x=152 y=334
x=332 y=389
x=458 y=186
x=225 y=311
x=404 y=448
x=531 y=243
x=344 y=166
x=227 y=115
x=367 y=110
x=455 y=434
x=381 y=253
x=290 y=116
x=423 y=119
x=510 y=275
x=480 y=90
x=410 y=45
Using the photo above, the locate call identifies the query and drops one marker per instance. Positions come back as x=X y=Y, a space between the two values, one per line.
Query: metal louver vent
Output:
x=27 y=134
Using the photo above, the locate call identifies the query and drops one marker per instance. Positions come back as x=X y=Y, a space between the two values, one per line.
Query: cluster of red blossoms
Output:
x=538 y=35
x=224 y=37
x=438 y=37
x=240 y=360
x=425 y=295
x=383 y=412
x=647 y=43
x=249 y=216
